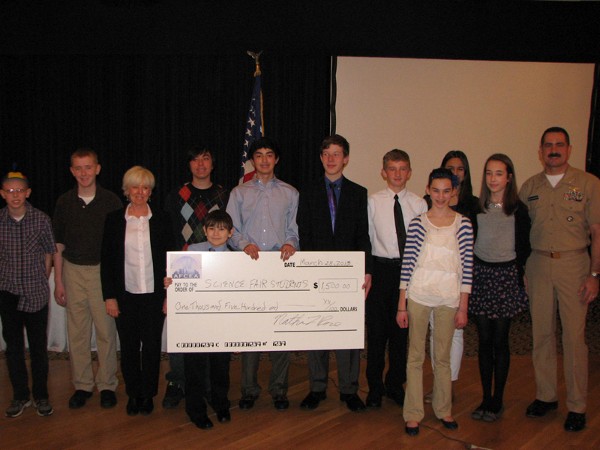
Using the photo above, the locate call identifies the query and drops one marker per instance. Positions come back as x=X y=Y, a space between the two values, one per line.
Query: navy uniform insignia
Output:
x=573 y=194
x=533 y=197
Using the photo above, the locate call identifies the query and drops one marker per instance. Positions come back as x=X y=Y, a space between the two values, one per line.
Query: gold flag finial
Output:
x=256 y=57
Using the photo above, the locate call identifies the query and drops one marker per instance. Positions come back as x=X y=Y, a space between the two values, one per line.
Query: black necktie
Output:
x=211 y=249
x=399 y=221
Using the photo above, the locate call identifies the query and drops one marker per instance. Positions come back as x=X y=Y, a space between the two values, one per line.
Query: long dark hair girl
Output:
x=511 y=196
x=465 y=188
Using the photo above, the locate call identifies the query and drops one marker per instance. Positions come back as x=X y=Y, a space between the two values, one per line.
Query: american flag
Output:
x=253 y=131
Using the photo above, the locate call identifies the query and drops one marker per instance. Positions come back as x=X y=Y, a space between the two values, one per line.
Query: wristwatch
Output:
x=595 y=275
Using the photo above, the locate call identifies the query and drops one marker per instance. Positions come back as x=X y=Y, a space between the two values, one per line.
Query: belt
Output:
x=388 y=261
x=558 y=255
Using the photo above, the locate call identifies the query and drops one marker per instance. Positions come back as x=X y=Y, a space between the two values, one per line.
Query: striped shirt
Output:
x=414 y=242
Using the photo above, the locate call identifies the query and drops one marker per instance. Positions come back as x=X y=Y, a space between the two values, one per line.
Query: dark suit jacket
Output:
x=112 y=268
x=351 y=225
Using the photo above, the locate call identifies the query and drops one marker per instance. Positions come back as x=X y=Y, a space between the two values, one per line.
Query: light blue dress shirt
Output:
x=264 y=214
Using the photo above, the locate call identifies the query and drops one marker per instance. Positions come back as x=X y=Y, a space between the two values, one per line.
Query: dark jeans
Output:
x=196 y=388
x=140 y=322
x=36 y=324
x=381 y=308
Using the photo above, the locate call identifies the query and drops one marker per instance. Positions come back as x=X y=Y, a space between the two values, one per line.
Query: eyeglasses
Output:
x=16 y=191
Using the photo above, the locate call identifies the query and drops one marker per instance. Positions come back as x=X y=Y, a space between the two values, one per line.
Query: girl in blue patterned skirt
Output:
x=498 y=293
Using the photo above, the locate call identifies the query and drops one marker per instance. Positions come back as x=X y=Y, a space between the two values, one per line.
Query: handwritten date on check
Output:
x=228 y=302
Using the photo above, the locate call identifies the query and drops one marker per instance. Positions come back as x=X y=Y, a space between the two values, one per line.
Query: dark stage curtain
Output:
x=593 y=151
x=147 y=109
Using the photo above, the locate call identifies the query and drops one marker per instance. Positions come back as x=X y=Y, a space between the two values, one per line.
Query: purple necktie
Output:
x=332 y=204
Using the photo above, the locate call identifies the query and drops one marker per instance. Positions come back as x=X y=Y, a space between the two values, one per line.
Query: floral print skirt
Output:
x=497 y=292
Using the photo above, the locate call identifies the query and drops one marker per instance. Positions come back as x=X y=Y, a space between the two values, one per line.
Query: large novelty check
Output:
x=225 y=301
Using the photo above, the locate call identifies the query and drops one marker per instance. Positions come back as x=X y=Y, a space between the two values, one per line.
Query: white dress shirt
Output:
x=139 y=273
x=382 y=226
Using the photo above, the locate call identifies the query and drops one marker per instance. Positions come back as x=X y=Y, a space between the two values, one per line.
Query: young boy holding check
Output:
x=218 y=228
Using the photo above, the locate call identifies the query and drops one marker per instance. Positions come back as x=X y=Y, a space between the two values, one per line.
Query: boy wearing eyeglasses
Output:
x=26 y=250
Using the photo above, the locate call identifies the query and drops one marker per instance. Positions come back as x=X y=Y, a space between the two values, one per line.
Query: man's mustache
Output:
x=554 y=155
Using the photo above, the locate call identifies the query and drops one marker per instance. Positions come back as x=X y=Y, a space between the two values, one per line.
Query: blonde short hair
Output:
x=137 y=176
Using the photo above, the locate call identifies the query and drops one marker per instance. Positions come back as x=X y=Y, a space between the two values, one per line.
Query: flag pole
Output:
x=256 y=57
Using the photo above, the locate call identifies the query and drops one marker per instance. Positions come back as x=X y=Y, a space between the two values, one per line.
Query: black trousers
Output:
x=36 y=324
x=196 y=390
x=140 y=323
x=381 y=308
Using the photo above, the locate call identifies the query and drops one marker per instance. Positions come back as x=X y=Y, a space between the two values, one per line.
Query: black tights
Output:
x=494 y=359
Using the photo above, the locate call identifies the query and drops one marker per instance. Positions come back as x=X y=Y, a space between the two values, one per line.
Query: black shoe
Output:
x=247 y=402
x=353 y=402
x=108 y=399
x=281 y=402
x=146 y=406
x=132 y=407
x=204 y=423
x=539 y=408
x=78 y=399
x=312 y=400
x=373 y=400
x=449 y=424
x=223 y=416
x=173 y=396
x=397 y=397
x=575 y=421
x=412 y=431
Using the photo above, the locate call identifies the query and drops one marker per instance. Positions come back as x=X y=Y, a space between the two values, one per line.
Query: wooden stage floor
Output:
x=331 y=425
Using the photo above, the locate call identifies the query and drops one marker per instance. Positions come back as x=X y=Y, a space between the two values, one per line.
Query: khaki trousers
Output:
x=418 y=323
x=553 y=282
x=85 y=307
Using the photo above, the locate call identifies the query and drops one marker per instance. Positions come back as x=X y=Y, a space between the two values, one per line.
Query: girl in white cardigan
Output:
x=436 y=277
